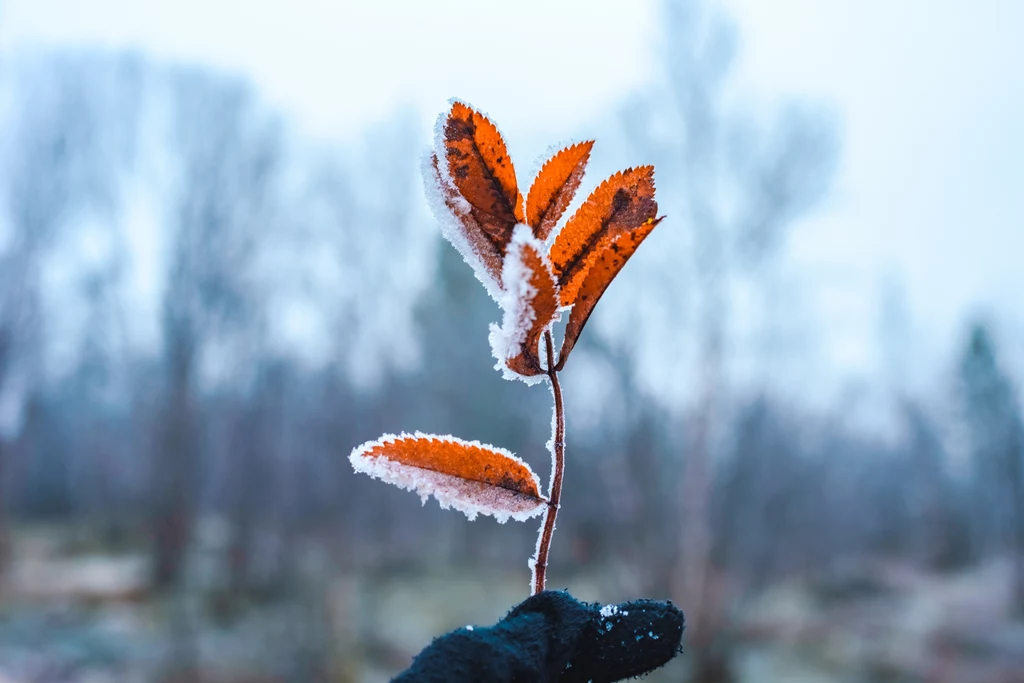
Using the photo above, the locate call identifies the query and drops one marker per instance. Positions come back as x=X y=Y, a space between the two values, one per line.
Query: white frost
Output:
x=532 y=562
x=550 y=445
x=515 y=301
x=434 y=186
x=609 y=611
x=466 y=496
x=507 y=339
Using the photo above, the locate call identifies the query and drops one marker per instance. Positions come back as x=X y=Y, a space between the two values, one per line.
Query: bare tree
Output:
x=365 y=219
x=230 y=159
x=737 y=186
x=70 y=137
x=99 y=385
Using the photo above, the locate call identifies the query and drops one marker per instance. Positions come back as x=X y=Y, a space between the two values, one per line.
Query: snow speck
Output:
x=609 y=611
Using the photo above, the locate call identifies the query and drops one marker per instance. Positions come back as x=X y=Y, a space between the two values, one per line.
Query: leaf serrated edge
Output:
x=580 y=167
x=518 y=205
x=586 y=253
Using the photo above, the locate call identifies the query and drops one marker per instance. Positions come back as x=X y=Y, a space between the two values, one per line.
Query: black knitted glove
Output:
x=553 y=638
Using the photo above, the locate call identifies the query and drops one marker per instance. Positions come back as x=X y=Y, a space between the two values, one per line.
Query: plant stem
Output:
x=540 y=561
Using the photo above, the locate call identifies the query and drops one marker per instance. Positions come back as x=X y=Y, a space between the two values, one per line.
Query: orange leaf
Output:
x=610 y=257
x=530 y=302
x=469 y=476
x=553 y=189
x=618 y=205
x=478 y=164
x=461 y=229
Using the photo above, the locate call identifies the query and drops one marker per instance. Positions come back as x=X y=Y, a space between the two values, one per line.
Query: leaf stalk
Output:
x=540 y=560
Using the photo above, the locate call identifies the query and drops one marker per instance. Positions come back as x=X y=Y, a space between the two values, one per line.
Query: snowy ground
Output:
x=89 y=616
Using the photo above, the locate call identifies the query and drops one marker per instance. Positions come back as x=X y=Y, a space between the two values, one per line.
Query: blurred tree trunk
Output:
x=697 y=73
x=247 y=456
x=230 y=159
x=1016 y=457
x=4 y=449
x=175 y=475
x=4 y=533
x=255 y=499
x=738 y=186
x=695 y=525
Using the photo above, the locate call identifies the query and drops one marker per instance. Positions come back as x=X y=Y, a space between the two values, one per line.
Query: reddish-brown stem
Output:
x=540 y=561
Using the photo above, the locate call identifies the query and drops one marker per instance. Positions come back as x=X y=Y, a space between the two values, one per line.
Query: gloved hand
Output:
x=553 y=638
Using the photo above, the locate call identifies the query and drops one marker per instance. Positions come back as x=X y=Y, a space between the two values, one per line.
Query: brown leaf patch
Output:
x=480 y=168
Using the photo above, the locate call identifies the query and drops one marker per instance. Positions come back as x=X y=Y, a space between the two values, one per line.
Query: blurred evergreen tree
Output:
x=995 y=435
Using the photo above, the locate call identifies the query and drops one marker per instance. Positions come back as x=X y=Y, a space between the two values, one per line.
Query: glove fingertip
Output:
x=627 y=640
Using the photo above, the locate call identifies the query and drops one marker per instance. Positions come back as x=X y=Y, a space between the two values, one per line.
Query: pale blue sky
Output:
x=930 y=190
x=931 y=187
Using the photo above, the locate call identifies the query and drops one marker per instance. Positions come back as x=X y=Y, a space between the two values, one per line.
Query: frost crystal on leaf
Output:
x=529 y=301
x=472 y=188
x=452 y=211
x=469 y=476
x=515 y=297
x=554 y=187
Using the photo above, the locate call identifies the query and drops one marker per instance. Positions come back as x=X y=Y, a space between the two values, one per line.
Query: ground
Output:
x=74 y=612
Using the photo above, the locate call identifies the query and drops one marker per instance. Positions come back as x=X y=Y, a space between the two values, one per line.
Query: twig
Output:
x=540 y=560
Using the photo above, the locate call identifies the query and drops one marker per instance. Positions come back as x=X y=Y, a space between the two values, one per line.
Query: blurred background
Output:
x=796 y=413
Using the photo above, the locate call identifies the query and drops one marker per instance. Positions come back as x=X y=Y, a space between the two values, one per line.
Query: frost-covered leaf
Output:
x=483 y=254
x=530 y=304
x=623 y=202
x=554 y=187
x=472 y=186
x=478 y=164
x=610 y=257
x=468 y=476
